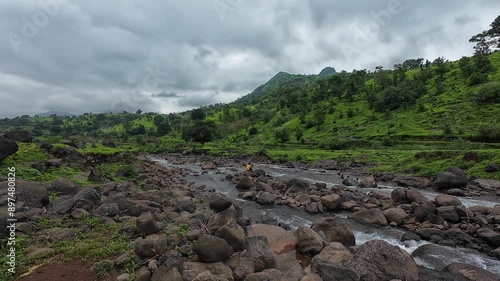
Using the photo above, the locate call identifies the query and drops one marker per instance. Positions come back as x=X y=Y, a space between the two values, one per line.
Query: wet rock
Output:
x=63 y=186
x=296 y=186
x=423 y=211
x=434 y=275
x=470 y=272
x=309 y=241
x=368 y=182
x=211 y=248
x=415 y=196
x=208 y=165
x=396 y=215
x=398 y=195
x=451 y=177
x=410 y=236
x=320 y=185
x=446 y=200
x=427 y=233
x=416 y=182
x=456 y=192
x=87 y=199
x=374 y=216
x=265 y=198
x=146 y=224
x=335 y=231
x=245 y=183
x=490 y=235
x=434 y=255
x=350 y=182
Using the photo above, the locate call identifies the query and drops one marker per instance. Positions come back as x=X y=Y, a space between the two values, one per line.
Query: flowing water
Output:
x=294 y=217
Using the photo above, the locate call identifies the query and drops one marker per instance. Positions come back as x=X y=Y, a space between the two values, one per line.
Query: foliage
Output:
x=489 y=93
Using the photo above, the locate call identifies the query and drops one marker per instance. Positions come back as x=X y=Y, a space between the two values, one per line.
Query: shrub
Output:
x=489 y=132
x=489 y=93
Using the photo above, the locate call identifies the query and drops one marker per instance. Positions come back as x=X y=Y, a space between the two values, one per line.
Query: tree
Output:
x=163 y=128
x=281 y=135
x=158 y=119
x=139 y=111
x=200 y=131
x=198 y=114
x=488 y=38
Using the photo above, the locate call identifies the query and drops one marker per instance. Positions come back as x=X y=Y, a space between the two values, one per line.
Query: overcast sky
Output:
x=166 y=56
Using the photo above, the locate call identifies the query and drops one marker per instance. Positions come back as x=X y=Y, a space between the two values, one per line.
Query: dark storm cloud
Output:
x=99 y=56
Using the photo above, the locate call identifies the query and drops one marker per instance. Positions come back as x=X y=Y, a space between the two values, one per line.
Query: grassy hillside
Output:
x=415 y=119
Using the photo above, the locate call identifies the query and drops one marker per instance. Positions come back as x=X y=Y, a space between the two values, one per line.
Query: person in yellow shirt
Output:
x=249 y=167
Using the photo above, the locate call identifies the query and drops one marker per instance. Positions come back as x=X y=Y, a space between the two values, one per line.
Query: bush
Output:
x=489 y=132
x=489 y=93
x=253 y=131
x=281 y=135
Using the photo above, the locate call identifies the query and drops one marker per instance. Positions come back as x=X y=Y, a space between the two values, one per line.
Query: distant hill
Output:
x=327 y=71
x=58 y=113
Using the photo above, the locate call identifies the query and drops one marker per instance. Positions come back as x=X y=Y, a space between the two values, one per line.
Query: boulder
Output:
x=245 y=183
x=208 y=165
x=280 y=240
x=289 y=265
x=19 y=136
x=7 y=148
x=219 y=270
x=265 y=198
x=451 y=177
x=219 y=202
x=446 y=200
x=448 y=213
x=32 y=194
x=350 y=182
x=481 y=209
x=379 y=260
x=456 y=192
x=396 y=215
x=296 y=186
x=107 y=210
x=87 y=199
x=62 y=205
x=150 y=248
x=63 y=186
x=374 y=216
x=211 y=248
x=333 y=263
x=335 y=231
x=146 y=224
x=436 y=256
x=267 y=275
x=95 y=175
x=416 y=182
x=399 y=195
x=470 y=272
x=423 y=211
x=490 y=235
x=488 y=185
x=491 y=168
x=331 y=202
x=368 y=182
x=415 y=196
x=234 y=236
x=309 y=241
x=258 y=249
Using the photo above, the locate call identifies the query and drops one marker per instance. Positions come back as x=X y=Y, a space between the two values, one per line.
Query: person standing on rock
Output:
x=249 y=167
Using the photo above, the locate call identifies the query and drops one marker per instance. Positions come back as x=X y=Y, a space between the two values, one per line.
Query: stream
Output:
x=295 y=217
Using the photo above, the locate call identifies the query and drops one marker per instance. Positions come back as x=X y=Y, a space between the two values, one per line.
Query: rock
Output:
x=219 y=202
x=481 y=209
x=265 y=198
x=123 y=277
x=434 y=255
x=289 y=265
x=267 y=275
x=95 y=175
x=314 y=208
x=7 y=148
x=374 y=216
x=348 y=205
x=333 y=264
x=496 y=210
x=350 y=182
x=280 y=240
x=335 y=231
x=245 y=183
x=331 y=202
x=19 y=136
x=146 y=224
x=398 y=195
x=40 y=252
x=57 y=234
x=234 y=236
x=415 y=196
x=186 y=205
x=427 y=233
x=108 y=143
x=446 y=200
x=54 y=162
x=259 y=173
x=490 y=235
x=32 y=194
x=258 y=249
x=87 y=199
x=211 y=248
x=410 y=236
x=491 y=168
x=451 y=177
x=296 y=186
x=379 y=260
x=456 y=192
x=368 y=182
x=448 y=213
x=260 y=186
x=143 y=274
x=320 y=185
x=150 y=248
x=63 y=186
x=423 y=211
x=62 y=205
x=470 y=272
x=107 y=210
x=79 y=214
x=218 y=270
x=172 y=275
x=208 y=165
x=396 y=215
x=309 y=241
x=486 y=184
x=434 y=275
x=416 y=182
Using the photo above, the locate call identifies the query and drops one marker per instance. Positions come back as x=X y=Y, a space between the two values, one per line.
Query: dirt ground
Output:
x=74 y=270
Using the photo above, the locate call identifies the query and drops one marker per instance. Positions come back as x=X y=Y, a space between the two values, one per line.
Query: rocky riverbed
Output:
x=272 y=225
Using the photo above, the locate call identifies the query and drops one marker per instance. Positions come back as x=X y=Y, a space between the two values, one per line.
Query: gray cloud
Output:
x=167 y=56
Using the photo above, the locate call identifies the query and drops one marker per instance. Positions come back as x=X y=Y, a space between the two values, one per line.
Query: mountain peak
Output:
x=328 y=71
